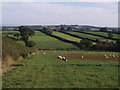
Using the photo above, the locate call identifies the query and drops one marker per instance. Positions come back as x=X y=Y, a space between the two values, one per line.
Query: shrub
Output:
x=13 y=49
x=31 y=44
x=85 y=44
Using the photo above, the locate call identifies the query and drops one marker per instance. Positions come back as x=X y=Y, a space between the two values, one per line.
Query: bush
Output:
x=13 y=49
x=85 y=44
x=31 y=44
x=110 y=35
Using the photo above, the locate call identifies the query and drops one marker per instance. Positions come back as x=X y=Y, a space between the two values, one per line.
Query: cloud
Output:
x=60 y=1
x=52 y=13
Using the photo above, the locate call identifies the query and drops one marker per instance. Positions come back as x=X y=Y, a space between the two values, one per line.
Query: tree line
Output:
x=86 y=44
x=24 y=34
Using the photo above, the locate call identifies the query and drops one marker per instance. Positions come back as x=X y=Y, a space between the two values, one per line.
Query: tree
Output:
x=25 y=33
x=97 y=40
x=17 y=35
x=104 y=29
x=44 y=29
x=118 y=45
x=62 y=29
x=110 y=35
x=30 y=43
x=47 y=31
x=69 y=29
x=85 y=44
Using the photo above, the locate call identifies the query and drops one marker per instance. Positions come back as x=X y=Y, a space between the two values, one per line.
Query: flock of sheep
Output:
x=82 y=57
x=110 y=55
x=65 y=59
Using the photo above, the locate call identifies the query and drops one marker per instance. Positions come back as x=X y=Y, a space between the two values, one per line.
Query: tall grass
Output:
x=13 y=49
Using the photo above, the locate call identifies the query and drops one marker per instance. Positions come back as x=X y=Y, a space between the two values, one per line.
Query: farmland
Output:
x=66 y=36
x=88 y=36
x=43 y=41
x=53 y=73
x=105 y=34
x=44 y=70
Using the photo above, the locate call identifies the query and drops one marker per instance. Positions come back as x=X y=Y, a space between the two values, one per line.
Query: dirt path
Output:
x=7 y=69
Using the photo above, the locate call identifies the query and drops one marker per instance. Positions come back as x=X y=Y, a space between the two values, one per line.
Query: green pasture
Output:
x=9 y=32
x=46 y=42
x=65 y=36
x=88 y=36
x=105 y=34
x=46 y=71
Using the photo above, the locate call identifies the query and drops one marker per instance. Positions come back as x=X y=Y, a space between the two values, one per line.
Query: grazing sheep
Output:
x=113 y=55
x=82 y=57
x=106 y=57
x=44 y=53
x=60 y=57
x=64 y=58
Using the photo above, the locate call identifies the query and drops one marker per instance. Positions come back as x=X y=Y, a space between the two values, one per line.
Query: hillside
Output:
x=12 y=51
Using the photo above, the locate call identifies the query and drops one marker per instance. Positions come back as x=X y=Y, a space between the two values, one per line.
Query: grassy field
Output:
x=88 y=36
x=44 y=41
x=45 y=71
x=105 y=34
x=65 y=36
x=9 y=32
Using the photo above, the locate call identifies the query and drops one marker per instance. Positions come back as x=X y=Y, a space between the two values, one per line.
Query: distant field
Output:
x=9 y=32
x=65 y=36
x=88 y=36
x=105 y=34
x=44 y=41
x=46 y=71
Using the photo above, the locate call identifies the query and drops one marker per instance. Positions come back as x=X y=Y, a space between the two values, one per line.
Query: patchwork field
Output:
x=44 y=41
x=88 y=36
x=105 y=34
x=65 y=36
x=49 y=72
x=44 y=70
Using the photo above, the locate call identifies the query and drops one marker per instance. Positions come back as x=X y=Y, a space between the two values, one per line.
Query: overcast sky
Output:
x=46 y=13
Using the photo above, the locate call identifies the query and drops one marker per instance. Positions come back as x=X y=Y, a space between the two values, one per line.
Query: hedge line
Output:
x=62 y=39
x=97 y=35
x=78 y=36
x=12 y=48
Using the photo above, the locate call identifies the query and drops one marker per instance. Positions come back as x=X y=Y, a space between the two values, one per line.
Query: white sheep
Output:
x=113 y=55
x=64 y=58
x=82 y=57
x=106 y=57
x=44 y=53
x=60 y=57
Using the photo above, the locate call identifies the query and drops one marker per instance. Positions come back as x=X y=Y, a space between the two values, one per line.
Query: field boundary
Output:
x=97 y=35
x=62 y=39
x=77 y=36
